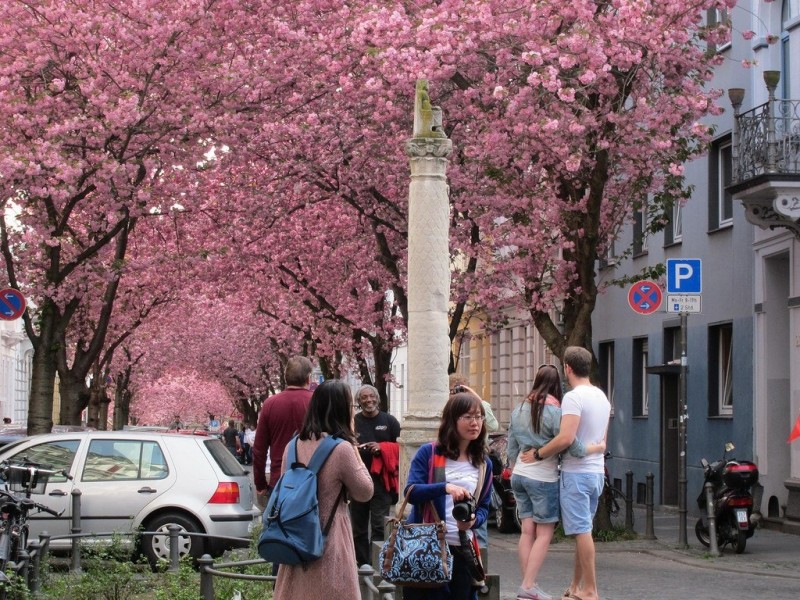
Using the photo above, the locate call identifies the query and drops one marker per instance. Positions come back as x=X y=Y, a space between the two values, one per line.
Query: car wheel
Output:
x=157 y=547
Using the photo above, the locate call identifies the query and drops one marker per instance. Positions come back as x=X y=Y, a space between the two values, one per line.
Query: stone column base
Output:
x=793 y=503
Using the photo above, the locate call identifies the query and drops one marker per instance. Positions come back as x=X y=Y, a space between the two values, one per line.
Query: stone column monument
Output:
x=428 y=278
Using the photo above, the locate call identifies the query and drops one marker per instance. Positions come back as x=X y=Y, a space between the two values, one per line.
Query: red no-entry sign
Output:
x=12 y=304
x=645 y=297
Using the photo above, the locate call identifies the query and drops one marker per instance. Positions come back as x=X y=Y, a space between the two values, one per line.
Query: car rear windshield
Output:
x=223 y=457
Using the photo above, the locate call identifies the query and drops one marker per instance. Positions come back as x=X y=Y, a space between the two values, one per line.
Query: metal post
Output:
x=174 y=557
x=204 y=563
x=649 y=532
x=36 y=554
x=76 y=529
x=712 y=520
x=682 y=417
x=629 y=500
x=23 y=567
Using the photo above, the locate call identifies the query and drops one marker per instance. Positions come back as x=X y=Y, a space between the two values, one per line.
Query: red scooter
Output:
x=732 y=481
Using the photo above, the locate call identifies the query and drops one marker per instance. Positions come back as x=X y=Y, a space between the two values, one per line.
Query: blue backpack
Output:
x=291 y=533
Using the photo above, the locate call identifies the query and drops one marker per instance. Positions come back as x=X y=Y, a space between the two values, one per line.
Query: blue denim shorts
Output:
x=536 y=499
x=579 y=495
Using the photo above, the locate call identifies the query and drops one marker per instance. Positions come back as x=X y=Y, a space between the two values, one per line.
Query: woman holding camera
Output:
x=447 y=473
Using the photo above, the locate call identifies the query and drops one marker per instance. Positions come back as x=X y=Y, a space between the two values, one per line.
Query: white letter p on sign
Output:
x=682 y=272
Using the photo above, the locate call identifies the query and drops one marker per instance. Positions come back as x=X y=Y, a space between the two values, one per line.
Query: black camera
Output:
x=464 y=509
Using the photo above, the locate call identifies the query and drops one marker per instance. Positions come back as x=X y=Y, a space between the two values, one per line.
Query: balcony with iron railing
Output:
x=766 y=159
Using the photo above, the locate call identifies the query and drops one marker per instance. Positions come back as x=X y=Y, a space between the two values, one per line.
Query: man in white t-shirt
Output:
x=584 y=415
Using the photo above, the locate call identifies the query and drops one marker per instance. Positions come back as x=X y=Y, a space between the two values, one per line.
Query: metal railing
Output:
x=29 y=567
x=768 y=140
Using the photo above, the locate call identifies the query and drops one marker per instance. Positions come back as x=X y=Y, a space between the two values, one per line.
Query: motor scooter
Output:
x=732 y=481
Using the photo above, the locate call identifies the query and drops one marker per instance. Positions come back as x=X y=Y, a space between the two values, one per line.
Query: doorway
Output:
x=670 y=385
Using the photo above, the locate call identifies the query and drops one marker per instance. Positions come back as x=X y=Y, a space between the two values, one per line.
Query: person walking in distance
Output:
x=280 y=419
x=333 y=576
x=535 y=422
x=377 y=443
x=585 y=411
x=231 y=438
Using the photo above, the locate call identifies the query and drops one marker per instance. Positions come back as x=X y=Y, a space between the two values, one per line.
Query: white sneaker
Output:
x=534 y=593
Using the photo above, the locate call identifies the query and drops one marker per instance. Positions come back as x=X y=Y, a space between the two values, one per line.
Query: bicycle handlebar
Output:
x=29 y=504
x=32 y=468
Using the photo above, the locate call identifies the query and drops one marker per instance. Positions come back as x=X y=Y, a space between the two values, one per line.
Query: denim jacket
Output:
x=522 y=438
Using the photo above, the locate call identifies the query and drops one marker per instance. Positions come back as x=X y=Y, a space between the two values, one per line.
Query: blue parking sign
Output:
x=684 y=276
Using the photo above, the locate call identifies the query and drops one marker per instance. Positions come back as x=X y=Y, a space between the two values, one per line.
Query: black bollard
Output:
x=204 y=563
x=649 y=532
x=174 y=557
x=629 y=500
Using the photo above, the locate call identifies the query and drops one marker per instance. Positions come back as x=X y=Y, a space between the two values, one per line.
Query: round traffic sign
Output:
x=12 y=304
x=645 y=297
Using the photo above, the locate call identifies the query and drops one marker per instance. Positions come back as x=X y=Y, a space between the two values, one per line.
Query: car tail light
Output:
x=227 y=493
x=506 y=474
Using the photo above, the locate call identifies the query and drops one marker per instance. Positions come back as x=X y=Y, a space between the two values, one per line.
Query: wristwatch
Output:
x=536 y=455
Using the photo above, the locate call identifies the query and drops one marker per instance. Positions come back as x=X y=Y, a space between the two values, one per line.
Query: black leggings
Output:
x=459 y=588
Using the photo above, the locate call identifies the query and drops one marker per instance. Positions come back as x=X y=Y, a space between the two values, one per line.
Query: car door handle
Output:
x=57 y=493
x=147 y=490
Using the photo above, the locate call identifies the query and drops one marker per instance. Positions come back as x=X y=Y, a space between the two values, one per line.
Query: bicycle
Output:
x=613 y=500
x=30 y=478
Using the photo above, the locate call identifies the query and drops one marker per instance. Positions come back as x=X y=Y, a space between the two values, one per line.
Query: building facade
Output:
x=743 y=347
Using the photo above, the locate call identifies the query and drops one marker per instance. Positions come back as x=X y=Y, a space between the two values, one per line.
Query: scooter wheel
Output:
x=741 y=541
x=701 y=531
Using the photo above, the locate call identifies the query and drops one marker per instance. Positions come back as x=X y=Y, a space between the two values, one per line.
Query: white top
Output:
x=591 y=405
x=540 y=470
x=461 y=473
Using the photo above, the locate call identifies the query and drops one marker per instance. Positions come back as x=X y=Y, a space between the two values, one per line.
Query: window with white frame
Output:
x=720 y=201
x=607 y=371
x=673 y=232
x=716 y=16
x=789 y=13
x=720 y=369
x=639 y=379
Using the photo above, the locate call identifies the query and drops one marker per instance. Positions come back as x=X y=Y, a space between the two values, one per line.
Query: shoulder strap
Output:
x=291 y=456
x=322 y=453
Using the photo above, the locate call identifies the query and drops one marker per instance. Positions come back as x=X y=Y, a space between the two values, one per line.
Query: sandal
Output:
x=574 y=596
x=566 y=595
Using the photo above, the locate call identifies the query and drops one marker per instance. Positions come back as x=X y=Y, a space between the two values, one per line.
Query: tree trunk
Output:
x=43 y=373
x=122 y=405
x=103 y=416
x=74 y=398
x=43 y=385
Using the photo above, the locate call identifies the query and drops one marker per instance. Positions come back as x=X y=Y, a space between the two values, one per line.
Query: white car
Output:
x=134 y=480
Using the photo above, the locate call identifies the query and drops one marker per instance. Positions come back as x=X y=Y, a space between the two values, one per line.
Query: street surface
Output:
x=627 y=573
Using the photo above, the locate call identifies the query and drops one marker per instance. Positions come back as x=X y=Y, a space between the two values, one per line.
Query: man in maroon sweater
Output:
x=280 y=419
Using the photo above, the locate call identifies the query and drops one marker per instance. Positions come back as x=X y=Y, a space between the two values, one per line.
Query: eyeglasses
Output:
x=540 y=367
x=475 y=418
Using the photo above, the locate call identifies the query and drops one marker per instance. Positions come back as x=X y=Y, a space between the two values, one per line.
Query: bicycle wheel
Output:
x=615 y=504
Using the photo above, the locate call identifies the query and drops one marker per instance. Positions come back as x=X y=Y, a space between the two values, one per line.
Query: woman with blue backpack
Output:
x=333 y=576
x=455 y=474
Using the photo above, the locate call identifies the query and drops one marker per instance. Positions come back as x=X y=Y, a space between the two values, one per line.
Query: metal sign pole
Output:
x=682 y=418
